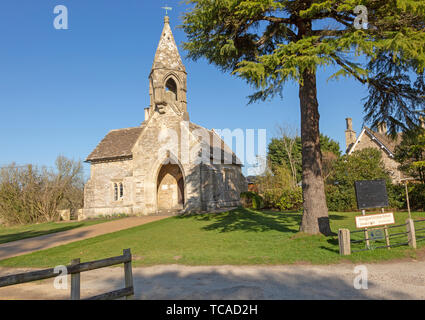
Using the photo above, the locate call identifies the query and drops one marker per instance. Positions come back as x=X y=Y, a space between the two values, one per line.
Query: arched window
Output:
x=118 y=191
x=121 y=191
x=115 y=192
x=171 y=86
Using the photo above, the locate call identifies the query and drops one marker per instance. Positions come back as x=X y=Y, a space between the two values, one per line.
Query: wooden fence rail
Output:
x=345 y=241
x=74 y=269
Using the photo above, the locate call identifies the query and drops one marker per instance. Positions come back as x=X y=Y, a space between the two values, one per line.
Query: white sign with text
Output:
x=374 y=220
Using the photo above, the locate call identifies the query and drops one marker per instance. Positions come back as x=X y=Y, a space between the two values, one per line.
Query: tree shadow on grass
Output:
x=336 y=217
x=33 y=233
x=250 y=221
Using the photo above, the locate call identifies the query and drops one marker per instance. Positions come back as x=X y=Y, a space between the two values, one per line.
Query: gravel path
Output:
x=400 y=280
x=25 y=246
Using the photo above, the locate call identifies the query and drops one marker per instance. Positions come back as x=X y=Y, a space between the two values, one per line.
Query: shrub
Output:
x=283 y=199
x=252 y=200
x=290 y=199
x=396 y=196
x=271 y=198
x=417 y=196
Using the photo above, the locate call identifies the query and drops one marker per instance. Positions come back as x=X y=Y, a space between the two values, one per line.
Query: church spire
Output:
x=167 y=55
x=168 y=78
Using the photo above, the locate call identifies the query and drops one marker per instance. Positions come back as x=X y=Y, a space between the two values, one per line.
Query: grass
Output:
x=8 y=234
x=238 y=237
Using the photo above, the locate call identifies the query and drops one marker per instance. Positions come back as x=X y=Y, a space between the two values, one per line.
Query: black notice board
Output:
x=371 y=194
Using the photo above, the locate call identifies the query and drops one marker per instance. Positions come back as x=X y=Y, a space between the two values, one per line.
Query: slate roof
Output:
x=385 y=141
x=118 y=144
x=214 y=141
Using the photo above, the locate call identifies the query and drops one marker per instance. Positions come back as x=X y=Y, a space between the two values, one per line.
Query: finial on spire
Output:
x=167 y=8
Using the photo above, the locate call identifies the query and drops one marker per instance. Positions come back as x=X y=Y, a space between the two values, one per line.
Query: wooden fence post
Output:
x=128 y=273
x=411 y=235
x=344 y=242
x=366 y=234
x=75 y=282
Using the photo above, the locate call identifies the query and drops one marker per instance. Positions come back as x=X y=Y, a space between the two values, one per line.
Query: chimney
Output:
x=146 y=114
x=382 y=128
x=350 y=134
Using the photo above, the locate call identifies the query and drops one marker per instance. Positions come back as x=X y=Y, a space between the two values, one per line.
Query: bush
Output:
x=283 y=199
x=290 y=199
x=396 y=196
x=271 y=198
x=252 y=200
x=417 y=196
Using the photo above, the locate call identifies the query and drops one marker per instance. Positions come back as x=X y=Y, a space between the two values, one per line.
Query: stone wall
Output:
x=99 y=190
x=221 y=186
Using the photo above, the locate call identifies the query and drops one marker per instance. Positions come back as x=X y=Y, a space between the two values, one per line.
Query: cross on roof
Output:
x=166 y=8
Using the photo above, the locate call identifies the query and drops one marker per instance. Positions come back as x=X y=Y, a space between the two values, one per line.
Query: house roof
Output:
x=118 y=144
x=219 y=150
x=386 y=142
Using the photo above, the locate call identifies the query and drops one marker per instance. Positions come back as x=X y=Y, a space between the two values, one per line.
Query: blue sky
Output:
x=61 y=91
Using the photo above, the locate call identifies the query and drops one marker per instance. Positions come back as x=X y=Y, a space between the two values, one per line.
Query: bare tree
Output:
x=29 y=194
x=288 y=136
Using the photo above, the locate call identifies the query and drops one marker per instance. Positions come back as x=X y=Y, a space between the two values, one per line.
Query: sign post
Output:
x=387 y=238
x=366 y=235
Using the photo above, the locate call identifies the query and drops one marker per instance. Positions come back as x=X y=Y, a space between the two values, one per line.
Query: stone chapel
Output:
x=167 y=164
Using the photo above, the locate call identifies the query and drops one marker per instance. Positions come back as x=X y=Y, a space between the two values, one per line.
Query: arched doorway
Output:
x=170 y=188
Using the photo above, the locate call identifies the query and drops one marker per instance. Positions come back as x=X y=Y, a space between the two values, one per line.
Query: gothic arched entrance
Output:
x=170 y=188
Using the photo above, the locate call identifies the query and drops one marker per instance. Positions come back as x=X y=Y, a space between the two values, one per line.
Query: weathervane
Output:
x=166 y=8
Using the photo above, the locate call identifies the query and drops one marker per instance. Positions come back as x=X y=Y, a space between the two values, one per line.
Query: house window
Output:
x=118 y=191
x=115 y=192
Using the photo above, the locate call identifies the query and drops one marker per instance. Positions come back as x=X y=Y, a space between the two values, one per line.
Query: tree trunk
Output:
x=315 y=217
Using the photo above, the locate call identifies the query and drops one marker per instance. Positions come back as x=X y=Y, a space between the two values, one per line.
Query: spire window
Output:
x=171 y=88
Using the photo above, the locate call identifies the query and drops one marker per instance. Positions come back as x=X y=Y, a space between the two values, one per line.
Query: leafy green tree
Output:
x=329 y=145
x=410 y=153
x=270 y=42
x=365 y=164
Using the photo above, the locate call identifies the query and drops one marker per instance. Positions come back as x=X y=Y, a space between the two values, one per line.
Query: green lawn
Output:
x=8 y=234
x=238 y=237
